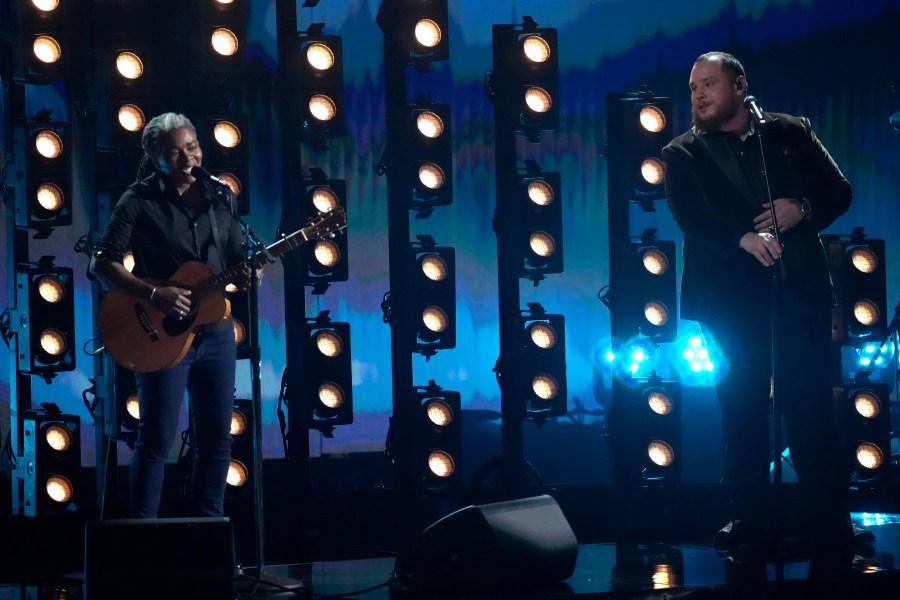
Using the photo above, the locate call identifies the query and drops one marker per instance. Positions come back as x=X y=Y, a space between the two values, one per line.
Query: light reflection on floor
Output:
x=874 y=519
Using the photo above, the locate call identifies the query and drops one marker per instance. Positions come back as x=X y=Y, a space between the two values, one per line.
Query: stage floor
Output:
x=602 y=570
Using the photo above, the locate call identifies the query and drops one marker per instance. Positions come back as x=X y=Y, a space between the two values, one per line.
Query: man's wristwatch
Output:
x=805 y=208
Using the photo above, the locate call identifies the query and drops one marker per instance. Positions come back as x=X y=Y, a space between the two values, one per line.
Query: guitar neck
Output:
x=317 y=227
x=217 y=283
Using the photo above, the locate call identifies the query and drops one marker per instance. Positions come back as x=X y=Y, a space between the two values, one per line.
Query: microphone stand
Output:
x=279 y=585
x=778 y=275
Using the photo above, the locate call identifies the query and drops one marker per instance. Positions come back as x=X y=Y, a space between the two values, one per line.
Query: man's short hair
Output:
x=728 y=61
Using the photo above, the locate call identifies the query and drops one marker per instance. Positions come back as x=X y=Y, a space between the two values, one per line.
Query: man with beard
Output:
x=720 y=177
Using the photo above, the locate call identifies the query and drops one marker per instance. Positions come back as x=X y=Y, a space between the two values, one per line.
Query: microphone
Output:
x=755 y=111
x=203 y=174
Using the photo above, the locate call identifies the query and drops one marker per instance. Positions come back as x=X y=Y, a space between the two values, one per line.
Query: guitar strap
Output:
x=217 y=238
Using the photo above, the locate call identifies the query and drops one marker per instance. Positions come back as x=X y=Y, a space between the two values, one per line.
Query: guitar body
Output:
x=143 y=339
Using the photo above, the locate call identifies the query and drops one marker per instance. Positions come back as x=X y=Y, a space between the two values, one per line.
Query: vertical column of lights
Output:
x=131 y=72
x=421 y=304
x=125 y=94
x=859 y=323
x=523 y=87
x=311 y=112
x=644 y=423
x=41 y=294
x=638 y=126
x=437 y=417
x=327 y=385
x=223 y=44
x=52 y=443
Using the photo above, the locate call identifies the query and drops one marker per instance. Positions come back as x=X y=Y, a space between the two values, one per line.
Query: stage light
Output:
x=226 y=156
x=438 y=435
x=224 y=41
x=328 y=394
x=526 y=75
x=865 y=424
x=242 y=452
x=46 y=41
x=52 y=453
x=325 y=260
x=543 y=368
x=46 y=294
x=419 y=30
x=127 y=409
x=239 y=306
x=128 y=88
x=638 y=127
x=644 y=300
x=541 y=234
x=129 y=65
x=225 y=29
x=433 y=288
x=857 y=266
x=430 y=156
x=45 y=5
x=47 y=202
x=46 y=49
x=644 y=430
x=321 y=100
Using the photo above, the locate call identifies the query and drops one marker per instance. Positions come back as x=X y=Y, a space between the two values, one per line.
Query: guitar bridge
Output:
x=144 y=320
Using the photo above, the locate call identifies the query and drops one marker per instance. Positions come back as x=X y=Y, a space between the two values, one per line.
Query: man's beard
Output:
x=719 y=117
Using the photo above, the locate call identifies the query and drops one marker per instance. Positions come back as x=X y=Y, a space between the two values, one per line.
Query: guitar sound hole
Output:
x=175 y=327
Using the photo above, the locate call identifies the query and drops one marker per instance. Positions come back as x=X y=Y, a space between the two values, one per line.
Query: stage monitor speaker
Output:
x=505 y=545
x=159 y=558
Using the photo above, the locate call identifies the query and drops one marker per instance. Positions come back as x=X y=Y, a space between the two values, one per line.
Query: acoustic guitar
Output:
x=144 y=339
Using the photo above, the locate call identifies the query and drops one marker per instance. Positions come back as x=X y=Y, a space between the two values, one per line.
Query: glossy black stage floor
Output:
x=603 y=570
x=629 y=548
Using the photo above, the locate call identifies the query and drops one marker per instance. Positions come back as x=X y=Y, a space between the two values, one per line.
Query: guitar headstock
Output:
x=326 y=223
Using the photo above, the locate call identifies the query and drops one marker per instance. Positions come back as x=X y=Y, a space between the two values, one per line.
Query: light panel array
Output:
x=328 y=393
x=439 y=434
x=645 y=300
x=858 y=271
x=638 y=127
x=542 y=373
x=48 y=292
x=864 y=415
x=433 y=289
x=47 y=201
x=225 y=149
x=52 y=446
x=324 y=260
x=644 y=431
x=430 y=156
x=321 y=100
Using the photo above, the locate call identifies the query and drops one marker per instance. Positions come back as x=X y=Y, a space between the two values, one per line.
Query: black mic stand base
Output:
x=250 y=583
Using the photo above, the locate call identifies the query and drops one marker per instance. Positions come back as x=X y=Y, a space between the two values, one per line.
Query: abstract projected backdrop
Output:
x=830 y=60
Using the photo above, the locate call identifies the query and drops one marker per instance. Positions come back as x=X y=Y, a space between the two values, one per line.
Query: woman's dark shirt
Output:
x=152 y=221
